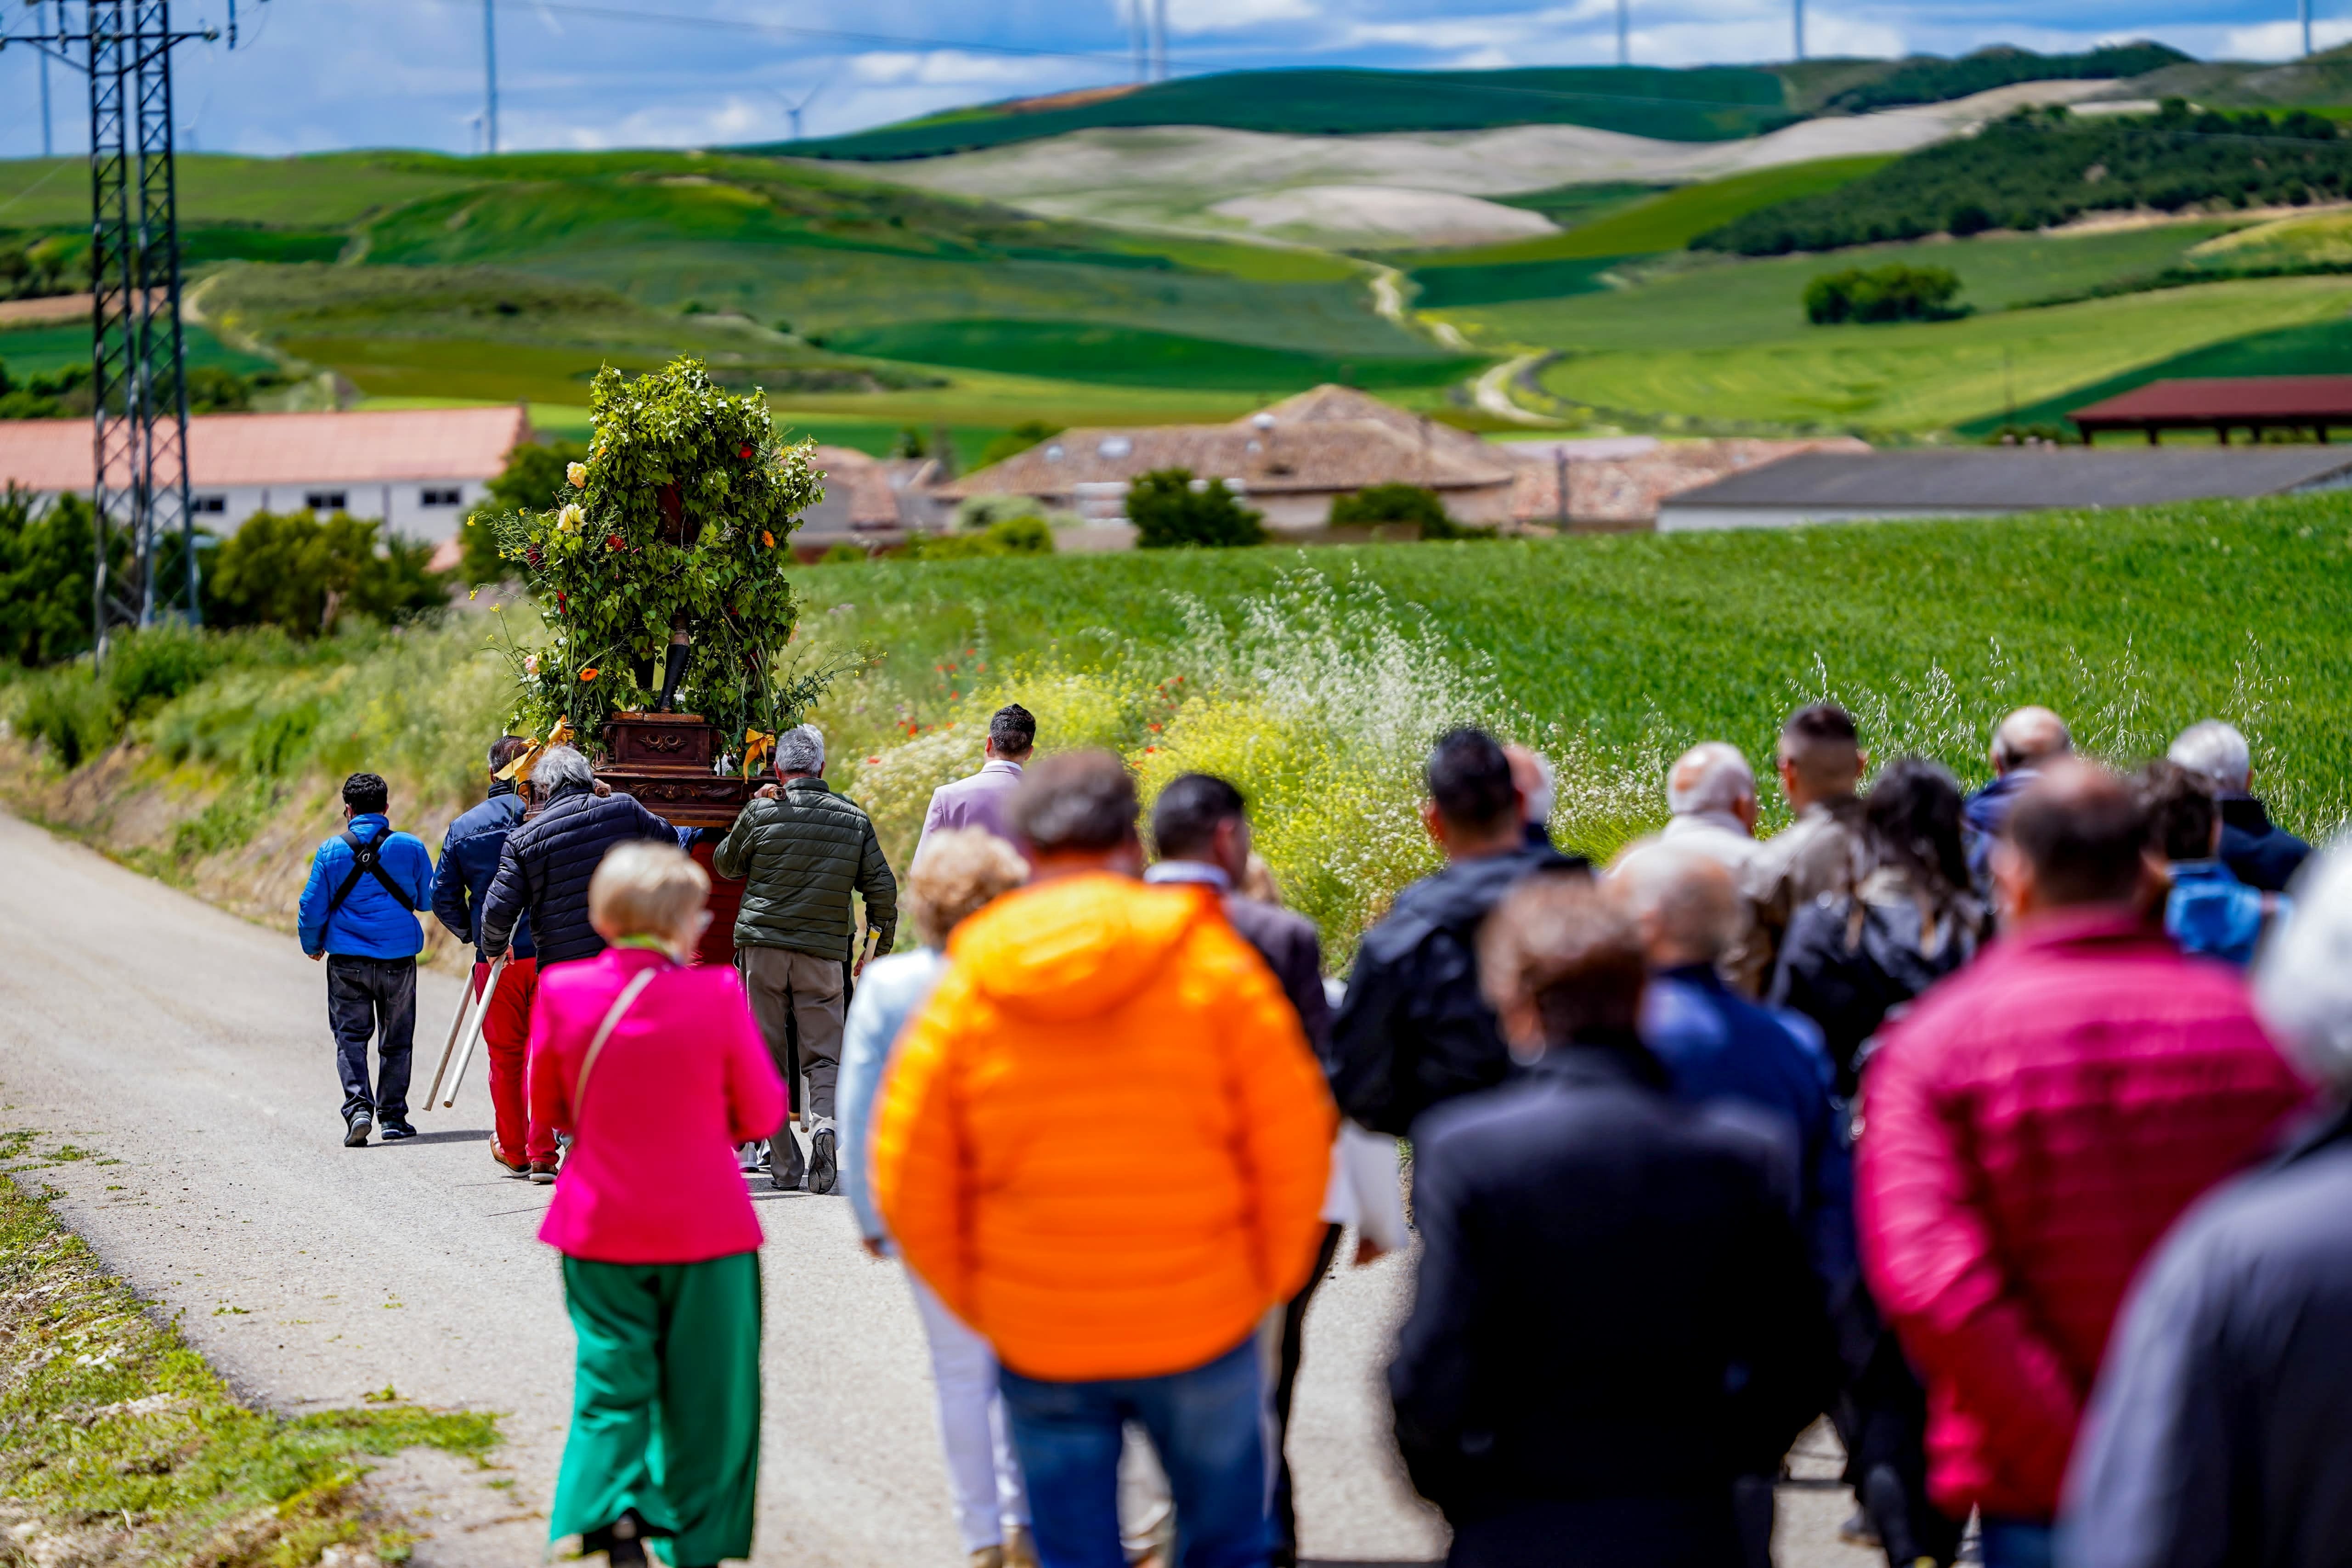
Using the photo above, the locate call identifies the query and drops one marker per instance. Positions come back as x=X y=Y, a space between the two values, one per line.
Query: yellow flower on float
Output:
x=577 y=474
x=571 y=517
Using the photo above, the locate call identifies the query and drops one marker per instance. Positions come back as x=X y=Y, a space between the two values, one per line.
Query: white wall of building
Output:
x=428 y=511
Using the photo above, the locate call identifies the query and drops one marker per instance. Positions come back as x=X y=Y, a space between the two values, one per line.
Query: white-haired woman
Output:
x=956 y=873
x=657 y=1072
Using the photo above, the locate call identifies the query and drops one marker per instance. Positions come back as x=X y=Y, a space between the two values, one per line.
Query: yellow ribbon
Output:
x=520 y=767
x=758 y=747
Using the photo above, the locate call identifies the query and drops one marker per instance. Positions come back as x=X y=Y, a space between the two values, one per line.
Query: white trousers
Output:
x=982 y=1471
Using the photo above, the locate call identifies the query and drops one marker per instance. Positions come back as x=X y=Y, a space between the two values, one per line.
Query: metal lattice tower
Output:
x=138 y=361
x=139 y=383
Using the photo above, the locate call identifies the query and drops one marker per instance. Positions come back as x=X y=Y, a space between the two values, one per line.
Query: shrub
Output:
x=1377 y=504
x=1895 y=293
x=67 y=711
x=1023 y=534
x=212 y=390
x=841 y=555
x=303 y=574
x=45 y=578
x=532 y=481
x=1171 y=509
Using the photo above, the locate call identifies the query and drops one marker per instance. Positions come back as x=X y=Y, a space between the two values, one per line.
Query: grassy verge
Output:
x=118 y=1445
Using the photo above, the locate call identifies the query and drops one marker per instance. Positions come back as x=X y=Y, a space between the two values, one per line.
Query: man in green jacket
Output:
x=802 y=852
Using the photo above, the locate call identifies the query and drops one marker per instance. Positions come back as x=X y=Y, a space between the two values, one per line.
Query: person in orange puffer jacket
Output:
x=1104 y=1144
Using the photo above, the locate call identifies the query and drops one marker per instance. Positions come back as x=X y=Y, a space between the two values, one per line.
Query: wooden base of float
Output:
x=664 y=760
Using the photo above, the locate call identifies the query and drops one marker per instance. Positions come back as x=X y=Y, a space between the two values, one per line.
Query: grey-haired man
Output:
x=804 y=853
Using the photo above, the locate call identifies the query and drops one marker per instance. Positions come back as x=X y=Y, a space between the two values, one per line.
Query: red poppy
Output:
x=767 y=539
x=611 y=542
x=745 y=453
x=589 y=673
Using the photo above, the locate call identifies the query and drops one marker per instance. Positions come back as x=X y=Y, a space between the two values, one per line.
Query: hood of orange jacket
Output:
x=1079 y=946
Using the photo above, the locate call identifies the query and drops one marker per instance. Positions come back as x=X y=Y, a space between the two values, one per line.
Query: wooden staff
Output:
x=473 y=1032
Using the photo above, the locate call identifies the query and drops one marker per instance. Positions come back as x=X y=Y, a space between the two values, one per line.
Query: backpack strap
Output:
x=621 y=1005
x=367 y=858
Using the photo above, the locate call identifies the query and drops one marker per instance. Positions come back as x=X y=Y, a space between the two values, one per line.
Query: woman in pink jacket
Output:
x=657 y=1072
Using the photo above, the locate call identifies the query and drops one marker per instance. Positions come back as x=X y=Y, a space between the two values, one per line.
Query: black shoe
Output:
x=823 y=1166
x=394 y=1131
x=622 y=1542
x=784 y=1164
x=355 y=1135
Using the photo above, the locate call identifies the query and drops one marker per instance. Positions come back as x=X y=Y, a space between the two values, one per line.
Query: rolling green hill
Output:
x=2318 y=348
x=1710 y=103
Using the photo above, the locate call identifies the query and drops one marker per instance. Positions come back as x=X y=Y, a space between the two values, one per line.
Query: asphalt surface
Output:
x=187 y=1052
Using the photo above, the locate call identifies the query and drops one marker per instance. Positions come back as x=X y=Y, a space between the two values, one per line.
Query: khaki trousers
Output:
x=798 y=999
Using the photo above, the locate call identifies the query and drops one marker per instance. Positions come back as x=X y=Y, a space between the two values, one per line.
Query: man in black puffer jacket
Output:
x=545 y=866
x=802 y=852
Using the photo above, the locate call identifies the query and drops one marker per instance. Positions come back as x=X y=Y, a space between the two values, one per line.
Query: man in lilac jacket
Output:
x=979 y=801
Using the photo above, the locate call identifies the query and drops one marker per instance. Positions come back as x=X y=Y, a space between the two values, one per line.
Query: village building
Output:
x=417 y=471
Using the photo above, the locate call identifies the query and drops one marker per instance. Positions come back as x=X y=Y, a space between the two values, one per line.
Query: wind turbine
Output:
x=795 y=109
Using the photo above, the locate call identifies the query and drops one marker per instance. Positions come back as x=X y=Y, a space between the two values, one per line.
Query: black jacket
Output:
x=1851 y=960
x=471 y=852
x=2218 y=1434
x=1413 y=1029
x=2258 y=851
x=545 y=866
x=1612 y=1301
x=1293 y=949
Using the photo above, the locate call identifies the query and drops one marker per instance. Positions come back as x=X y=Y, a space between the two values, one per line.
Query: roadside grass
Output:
x=119 y=1445
x=1912 y=377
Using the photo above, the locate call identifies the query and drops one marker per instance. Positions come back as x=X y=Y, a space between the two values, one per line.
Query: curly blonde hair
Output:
x=954 y=875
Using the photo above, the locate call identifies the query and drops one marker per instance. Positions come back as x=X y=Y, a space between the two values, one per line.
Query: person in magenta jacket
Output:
x=657 y=1072
x=2031 y=1130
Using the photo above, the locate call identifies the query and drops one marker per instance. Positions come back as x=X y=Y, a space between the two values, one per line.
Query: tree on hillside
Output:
x=532 y=481
x=1376 y=504
x=1895 y=293
x=1172 y=510
x=44 y=577
x=303 y=574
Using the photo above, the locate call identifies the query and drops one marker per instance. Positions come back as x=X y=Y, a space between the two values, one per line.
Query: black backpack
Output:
x=367 y=860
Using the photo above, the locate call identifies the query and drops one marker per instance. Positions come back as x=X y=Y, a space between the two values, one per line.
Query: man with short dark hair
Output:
x=359 y=913
x=471 y=852
x=1413 y=1029
x=1201 y=826
x=1105 y=1145
x=2207 y=910
x=1822 y=764
x=2034 y=1124
x=804 y=853
x=979 y=800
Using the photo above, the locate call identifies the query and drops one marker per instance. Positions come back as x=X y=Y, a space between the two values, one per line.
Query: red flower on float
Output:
x=745 y=452
x=589 y=673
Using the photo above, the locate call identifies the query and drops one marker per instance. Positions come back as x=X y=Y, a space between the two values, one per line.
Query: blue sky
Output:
x=317 y=74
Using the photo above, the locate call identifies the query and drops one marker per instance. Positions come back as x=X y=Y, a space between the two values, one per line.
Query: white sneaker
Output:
x=750 y=1157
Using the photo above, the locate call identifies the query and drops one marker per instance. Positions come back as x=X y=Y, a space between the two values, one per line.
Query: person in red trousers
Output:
x=469 y=859
x=2029 y=1131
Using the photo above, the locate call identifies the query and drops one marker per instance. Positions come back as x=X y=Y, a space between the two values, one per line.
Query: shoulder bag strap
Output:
x=621 y=1005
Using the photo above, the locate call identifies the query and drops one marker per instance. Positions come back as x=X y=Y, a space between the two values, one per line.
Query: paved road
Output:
x=187 y=1050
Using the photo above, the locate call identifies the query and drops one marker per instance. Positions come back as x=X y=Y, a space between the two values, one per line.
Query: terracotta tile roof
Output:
x=1329 y=439
x=866 y=480
x=2017 y=479
x=1625 y=481
x=359 y=446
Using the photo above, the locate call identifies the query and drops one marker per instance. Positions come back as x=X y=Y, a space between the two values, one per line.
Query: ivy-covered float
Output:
x=660 y=572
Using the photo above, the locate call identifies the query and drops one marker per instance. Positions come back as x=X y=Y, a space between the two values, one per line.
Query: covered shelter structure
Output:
x=1994 y=482
x=2254 y=404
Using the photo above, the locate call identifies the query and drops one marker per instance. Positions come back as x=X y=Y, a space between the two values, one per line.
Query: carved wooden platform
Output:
x=664 y=760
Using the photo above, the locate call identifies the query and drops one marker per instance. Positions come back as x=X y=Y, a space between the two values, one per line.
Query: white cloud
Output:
x=1197 y=16
x=2281 y=40
x=948 y=67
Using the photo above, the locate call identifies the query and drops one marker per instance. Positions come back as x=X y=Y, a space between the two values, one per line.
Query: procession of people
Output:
x=2004 y=1132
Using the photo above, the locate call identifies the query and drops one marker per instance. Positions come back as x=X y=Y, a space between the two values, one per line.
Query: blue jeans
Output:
x=2016 y=1544
x=1204 y=1425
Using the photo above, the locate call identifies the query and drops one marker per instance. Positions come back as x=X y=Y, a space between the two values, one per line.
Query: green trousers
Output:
x=666 y=1403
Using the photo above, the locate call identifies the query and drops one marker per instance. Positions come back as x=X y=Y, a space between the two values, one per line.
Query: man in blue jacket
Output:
x=359 y=913
x=470 y=860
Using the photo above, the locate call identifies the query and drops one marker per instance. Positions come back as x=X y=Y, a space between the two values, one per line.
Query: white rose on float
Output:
x=577 y=474
x=571 y=517
x=531 y=664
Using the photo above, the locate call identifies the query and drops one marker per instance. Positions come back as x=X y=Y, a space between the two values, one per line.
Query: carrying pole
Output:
x=473 y=1032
